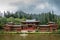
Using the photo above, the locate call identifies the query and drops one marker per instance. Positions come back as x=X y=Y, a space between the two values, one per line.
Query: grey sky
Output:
x=30 y=6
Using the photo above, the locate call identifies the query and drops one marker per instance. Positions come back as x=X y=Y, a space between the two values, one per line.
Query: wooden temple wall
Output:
x=42 y=29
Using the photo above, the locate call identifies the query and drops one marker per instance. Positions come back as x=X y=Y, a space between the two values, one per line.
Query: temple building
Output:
x=31 y=25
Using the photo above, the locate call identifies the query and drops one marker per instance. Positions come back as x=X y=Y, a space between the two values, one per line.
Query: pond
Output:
x=29 y=36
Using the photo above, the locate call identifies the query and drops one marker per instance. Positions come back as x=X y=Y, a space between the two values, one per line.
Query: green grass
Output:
x=15 y=32
x=22 y=33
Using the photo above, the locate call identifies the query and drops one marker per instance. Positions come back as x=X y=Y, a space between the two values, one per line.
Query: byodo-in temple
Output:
x=31 y=25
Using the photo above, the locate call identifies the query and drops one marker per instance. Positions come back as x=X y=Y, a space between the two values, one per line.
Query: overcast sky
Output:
x=30 y=6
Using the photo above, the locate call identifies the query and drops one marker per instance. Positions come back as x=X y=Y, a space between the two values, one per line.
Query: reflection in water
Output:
x=24 y=35
x=29 y=36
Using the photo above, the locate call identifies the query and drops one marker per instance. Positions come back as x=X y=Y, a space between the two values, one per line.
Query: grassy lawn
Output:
x=12 y=32
x=18 y=32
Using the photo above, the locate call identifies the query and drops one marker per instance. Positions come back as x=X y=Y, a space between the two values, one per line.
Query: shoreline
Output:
x=29 y=33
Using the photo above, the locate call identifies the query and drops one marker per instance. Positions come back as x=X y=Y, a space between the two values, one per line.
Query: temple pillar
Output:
x=51 y=29
x=33 y=27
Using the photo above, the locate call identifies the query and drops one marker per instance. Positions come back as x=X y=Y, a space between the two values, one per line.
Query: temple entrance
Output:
x=12 y=28
x=54 y=30
x=30 y=27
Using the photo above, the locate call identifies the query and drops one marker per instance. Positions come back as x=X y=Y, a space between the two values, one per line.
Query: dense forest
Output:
x=18 y=16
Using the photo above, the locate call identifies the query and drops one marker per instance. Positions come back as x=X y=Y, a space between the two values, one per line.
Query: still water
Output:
x=29 y=36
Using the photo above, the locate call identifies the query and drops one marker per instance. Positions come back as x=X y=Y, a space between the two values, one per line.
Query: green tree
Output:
x=3 y=21
x=17 y=21
x=10 y=19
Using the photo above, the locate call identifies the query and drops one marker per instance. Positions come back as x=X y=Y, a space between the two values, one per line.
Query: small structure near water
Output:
x=31 y=25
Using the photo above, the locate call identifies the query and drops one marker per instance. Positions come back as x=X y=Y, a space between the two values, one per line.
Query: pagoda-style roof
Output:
x=15 y=25
x=44 y=25
x=30 y=21
x=51 y=22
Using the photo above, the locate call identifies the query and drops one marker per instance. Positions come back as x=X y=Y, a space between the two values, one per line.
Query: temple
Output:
x=31 y=25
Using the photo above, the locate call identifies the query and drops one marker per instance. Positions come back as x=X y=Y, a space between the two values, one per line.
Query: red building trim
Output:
x=32 y=26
